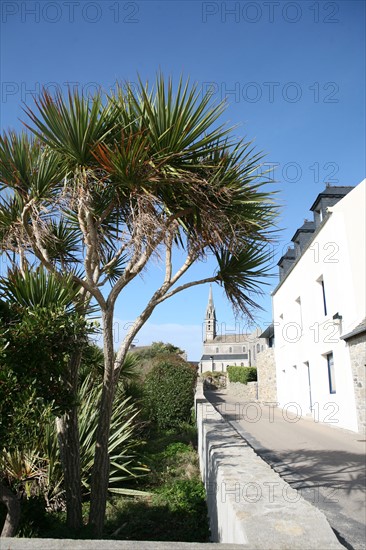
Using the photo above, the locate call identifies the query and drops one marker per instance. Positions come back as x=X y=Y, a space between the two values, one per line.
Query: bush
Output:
x=169 y=392
x=242 y=374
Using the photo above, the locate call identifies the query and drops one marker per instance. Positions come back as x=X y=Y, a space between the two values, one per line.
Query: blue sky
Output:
x=293 y=74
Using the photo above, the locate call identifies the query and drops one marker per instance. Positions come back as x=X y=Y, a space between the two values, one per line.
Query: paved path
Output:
x=324 y=463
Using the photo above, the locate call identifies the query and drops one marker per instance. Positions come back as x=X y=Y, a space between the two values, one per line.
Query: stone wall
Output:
x=357 y=351
x=247 y=392
x=266 y=372
x=248 y=502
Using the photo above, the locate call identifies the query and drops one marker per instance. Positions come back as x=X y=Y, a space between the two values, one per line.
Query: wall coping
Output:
x=248 y=502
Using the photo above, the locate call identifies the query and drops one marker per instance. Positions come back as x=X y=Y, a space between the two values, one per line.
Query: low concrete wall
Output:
x=248 y=502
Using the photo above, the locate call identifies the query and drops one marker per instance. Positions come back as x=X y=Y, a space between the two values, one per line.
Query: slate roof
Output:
x=332 y=191
x=232 y=339
x=225 y=357
x=289 y=255
x=359 y=329
x=307 y=227
x=268 y=333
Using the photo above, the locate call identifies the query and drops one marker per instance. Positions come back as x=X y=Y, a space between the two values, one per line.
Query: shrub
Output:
x=214 y=379
x=242 y=374
x=185 y=495
x=169 y=392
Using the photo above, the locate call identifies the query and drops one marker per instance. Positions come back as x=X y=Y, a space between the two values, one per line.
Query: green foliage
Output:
x=146 y=358
x=176 y=508
x=123 y=440
x=242 y=374
x=40 y=329
x=39 y=289
x=169 y=392
x=33 y=468
x=39 y=343
x=186 y=495
x=158 y=348
x=92 y=363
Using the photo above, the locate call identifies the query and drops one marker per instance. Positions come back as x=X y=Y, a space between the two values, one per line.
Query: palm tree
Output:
x=109 y=184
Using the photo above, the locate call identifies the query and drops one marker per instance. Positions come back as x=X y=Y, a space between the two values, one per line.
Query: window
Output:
x=244 y=349
x=262 y=348
x=324 y=300
x=319 y=215
x=258 y=348
x=230 y=350
x=217 y=350
x=321 y=282
x=242 y=364
x=331 y=373
x=298 y=301
x=213 y=366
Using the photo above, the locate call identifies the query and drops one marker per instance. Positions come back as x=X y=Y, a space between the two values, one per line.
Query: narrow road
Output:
x=324 y=463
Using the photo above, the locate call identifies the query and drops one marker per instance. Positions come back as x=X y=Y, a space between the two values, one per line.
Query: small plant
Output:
x=242 y=374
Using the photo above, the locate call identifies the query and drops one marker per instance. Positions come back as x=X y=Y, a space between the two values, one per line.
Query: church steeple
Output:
x=210 y=320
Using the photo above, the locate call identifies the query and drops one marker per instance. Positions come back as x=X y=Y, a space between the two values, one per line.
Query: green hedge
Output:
x=169 y=392
x=242 y=374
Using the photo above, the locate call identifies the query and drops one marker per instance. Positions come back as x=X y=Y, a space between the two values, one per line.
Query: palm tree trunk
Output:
x=69 y=443
x=100 y=473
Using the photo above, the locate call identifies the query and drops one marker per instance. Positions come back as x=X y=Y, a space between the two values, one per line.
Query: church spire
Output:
x=210 y=299
x=210 y=320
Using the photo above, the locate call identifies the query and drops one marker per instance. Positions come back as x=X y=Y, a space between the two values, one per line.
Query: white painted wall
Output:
x=303 y=333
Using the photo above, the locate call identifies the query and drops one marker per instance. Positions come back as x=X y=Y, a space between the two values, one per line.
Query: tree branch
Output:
x=187 y=285
x=43 y=257
x=168 y=259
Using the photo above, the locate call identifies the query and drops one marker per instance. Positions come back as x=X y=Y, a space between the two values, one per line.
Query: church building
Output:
x=226 y=349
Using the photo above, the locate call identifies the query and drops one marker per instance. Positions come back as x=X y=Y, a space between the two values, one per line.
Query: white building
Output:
x=318 y=307
x=226 y=349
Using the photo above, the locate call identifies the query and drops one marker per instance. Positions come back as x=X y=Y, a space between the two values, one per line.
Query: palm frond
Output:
x=39 y=289
x=28 y=169
x=63 y=242
x=72 y=126
x=243 y=275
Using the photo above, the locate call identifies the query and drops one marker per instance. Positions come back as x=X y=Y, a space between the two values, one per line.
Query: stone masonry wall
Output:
x=266 y=371
x=248 y=392
x=357 y=351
